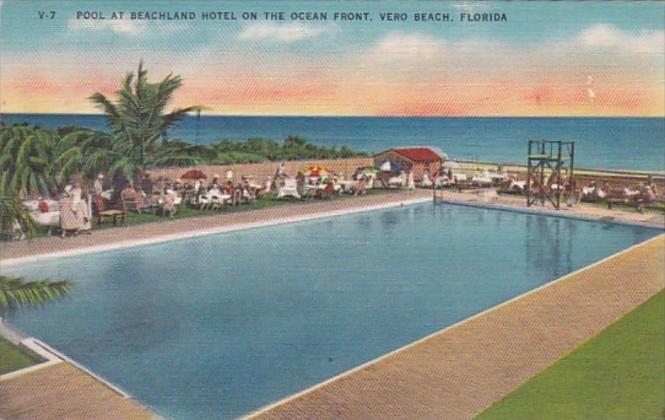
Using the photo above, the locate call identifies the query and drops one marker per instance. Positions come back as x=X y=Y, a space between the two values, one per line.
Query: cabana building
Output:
x=415 y=159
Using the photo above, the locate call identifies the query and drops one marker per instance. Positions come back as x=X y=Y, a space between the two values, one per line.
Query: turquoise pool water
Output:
x=218 y=326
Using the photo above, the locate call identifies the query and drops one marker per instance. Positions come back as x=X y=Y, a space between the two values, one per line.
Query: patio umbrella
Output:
x=193 y=174
x=450 y=164
x=389 y=166
x=316 y=171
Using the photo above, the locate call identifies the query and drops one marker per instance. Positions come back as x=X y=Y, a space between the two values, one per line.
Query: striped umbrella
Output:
x=317 y=171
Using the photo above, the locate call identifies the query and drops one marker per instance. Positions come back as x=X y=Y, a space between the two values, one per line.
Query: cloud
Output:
x=290 y=32
x=609 y=36
x=120 y=26
x=408 y=47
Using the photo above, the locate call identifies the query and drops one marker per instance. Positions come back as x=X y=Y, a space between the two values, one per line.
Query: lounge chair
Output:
x=104 y=212
x=129 y=201
x=442 y=181
x=396 y=182
x=593 y=194
x=290 y=189
x=483 y=180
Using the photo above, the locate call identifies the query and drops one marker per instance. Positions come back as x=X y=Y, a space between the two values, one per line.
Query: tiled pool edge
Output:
x=27 y=343
x=52 y=357
x=266 y=410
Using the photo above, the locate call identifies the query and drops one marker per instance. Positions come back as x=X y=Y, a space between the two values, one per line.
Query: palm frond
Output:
x=16 y=293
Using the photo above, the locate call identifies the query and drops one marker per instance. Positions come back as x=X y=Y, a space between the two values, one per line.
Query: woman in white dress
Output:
x=81 y=208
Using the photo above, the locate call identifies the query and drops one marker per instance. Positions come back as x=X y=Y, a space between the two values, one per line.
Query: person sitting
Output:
x=146 y=184
x=247 y=191
x=359 y=188
x=214 y=190
x=426 y=182
x=167 y=200
x=229 y=189
x=263 y=189
x=327 y=191
x=128 y=190
x=645 y=196
x=42 y=205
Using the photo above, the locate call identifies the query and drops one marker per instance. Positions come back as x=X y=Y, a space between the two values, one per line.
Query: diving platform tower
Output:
x=550 y=167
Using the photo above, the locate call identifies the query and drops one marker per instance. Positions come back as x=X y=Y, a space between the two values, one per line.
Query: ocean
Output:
x=600 y=143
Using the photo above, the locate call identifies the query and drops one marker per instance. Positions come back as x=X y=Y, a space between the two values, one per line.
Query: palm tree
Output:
x=16 y=293
x=14 y=218
x=26 y=159
x=90 y=152
x=137 y=118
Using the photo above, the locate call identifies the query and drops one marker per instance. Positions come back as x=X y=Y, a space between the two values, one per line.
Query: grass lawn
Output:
x=619 y=374
x=13 y=358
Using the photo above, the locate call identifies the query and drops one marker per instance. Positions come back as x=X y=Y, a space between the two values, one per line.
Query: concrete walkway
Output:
x=459 y=372
x=168 y=229
x=582 y=210
x=62 y=391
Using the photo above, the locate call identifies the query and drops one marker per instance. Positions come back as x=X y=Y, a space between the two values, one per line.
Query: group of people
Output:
x=75 y=207
x=640 y=196
x=216 y=193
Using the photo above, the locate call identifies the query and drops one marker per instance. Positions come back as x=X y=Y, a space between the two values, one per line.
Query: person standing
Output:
x=98 y=186
x=69 y=221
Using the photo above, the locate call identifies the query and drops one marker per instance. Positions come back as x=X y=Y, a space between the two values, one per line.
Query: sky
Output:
x=547 y=59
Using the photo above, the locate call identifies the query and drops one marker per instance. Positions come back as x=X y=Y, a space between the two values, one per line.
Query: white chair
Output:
x=459 y=178
x=426 y=182
x=290 y=189
x=482 y=180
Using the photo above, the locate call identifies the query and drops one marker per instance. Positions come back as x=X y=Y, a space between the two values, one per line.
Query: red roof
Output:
x=419 y=154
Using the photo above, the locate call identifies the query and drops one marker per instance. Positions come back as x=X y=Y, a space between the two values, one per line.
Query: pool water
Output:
x=218 y=326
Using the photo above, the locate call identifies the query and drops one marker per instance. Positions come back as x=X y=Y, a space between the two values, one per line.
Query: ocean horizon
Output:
x=615 y=143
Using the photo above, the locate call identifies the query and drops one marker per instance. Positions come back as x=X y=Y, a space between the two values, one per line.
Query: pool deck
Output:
x=582 y=210
x=113 y=238
x=63 y=391
x=460 y=371
x=100 y=240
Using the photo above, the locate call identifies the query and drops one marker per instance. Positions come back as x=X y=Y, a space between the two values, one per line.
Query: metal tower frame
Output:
x=549 y=162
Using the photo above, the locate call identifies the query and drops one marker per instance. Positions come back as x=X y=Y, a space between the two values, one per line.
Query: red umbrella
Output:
x=193 y=174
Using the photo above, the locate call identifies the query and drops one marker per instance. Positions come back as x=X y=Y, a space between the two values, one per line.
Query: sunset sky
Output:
x=548 y=59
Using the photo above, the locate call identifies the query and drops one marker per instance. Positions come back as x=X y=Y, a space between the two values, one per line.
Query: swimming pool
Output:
x=218 y=326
